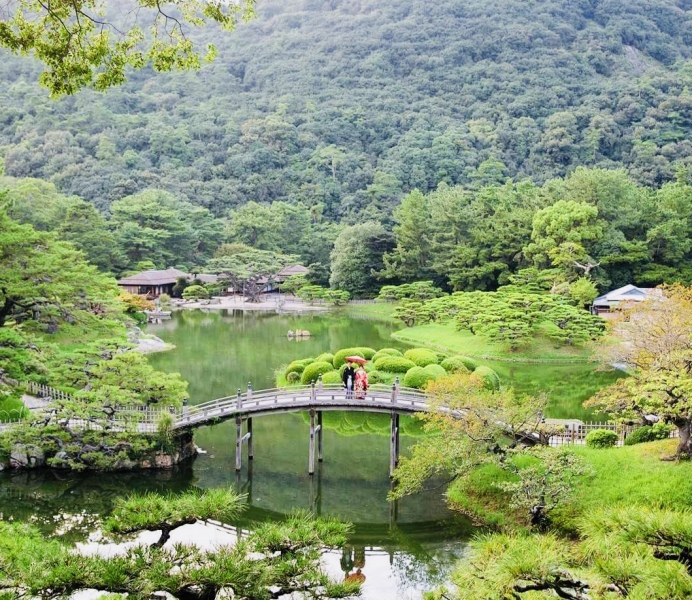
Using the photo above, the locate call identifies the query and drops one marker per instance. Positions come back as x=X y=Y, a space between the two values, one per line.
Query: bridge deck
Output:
x=379 y=398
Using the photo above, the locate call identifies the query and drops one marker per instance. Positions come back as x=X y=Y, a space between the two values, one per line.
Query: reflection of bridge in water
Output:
x=244 y=406
x=315 y=399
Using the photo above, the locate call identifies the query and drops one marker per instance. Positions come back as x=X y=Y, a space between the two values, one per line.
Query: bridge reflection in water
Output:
x=314 y=399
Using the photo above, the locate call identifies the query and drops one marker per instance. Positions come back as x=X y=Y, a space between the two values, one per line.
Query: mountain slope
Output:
x=345 y=105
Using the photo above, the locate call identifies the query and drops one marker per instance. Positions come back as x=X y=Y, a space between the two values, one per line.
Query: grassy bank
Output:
x=380 y=311
x=628 y=476
x=446 y=338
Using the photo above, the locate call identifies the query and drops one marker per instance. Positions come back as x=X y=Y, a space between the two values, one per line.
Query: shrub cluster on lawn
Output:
x=414 y=368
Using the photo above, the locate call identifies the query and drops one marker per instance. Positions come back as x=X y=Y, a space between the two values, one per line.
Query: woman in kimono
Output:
x=361 y=383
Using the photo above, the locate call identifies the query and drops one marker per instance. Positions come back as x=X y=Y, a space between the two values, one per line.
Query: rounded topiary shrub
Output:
x=421 y=356
x=435 y=370
x=313 y=371
x=331 y=377
x=417 y=377
x=293 y=377
x=469 y=363
x=454 y=364
x=297 y=366
x=340 y=356
x=367 y=352
x=325 y=357
x=386 y=352
x=601 y=438
x=394 y=364
x=488 y=377
x=375 y=377
x=648 y=433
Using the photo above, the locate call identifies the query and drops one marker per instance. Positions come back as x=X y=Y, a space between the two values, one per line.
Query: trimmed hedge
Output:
x=601 y=438
x=648 y=433
x=435 y=370
x=293 y=377
x=421 y=356
x=394 y=364
x=297 y=366
x=375 y=377
x=325 y=357
x=313 y=371
x=416 y=377
x=469 y=363
x=386 y=352
x=331 y=377
x=488 y=377
x=362 y=351
x=454 y=364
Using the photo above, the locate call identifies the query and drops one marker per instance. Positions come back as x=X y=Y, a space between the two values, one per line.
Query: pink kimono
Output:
x=361 y=384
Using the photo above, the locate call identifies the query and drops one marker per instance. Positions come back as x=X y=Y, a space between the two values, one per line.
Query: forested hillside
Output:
x=345 y=106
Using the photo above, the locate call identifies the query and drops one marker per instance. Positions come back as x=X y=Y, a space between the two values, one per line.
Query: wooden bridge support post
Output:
x=250 y=450
x=311 y=457
x=239 y=400
x=319 y=435
x=393 y=511
x=394 y=444
x=238 y=443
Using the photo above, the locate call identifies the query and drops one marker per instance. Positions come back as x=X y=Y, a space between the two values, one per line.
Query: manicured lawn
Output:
x=381 y=310
x=445 y=338
x=631 y=475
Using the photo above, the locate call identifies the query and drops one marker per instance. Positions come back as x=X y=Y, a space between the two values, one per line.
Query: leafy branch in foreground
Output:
x=473 y=427
x=81 y=45
x=629 y=552
x=275 y=560
x=655 y=340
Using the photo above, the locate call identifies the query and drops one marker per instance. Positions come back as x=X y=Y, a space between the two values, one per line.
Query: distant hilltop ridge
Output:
x=350 y=105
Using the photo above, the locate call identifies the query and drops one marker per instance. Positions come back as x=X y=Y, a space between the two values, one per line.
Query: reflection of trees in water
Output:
x=44 y=493
x=361 y=423
x=419 y=564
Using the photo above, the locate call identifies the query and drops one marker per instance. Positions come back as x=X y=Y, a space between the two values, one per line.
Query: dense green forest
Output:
x=318 y=118
x=344 y=106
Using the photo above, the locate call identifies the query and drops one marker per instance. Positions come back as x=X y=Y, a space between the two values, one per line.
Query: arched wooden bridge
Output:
x=315 y=399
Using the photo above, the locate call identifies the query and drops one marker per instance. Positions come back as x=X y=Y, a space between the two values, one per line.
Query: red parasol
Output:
x=358 y=359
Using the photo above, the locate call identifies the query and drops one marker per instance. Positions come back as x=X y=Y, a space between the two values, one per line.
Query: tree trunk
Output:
x=685 y=431
x=5 y=310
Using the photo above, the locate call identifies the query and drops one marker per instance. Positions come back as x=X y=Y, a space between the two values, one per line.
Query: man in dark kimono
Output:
x=349 y=379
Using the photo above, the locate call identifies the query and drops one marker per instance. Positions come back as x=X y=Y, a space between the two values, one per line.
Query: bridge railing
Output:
x=251 y=400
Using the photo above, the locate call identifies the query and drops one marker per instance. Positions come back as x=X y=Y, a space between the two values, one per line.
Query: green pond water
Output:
x=402 y=549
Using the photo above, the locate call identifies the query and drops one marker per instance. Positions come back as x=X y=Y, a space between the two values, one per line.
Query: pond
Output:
x=402 y=548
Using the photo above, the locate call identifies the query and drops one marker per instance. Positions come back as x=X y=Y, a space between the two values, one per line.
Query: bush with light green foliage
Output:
x=314 y=370
x=293 y=377
x=421 y=356
x=601 y=438
x=375 y=377
x=489 y=378
x=436 y=371
x=386 y=352
x=455 y=364
x=297 y=366
x=649 y=433
x=394 y=364
x=362 y=351
x=417 y=377
x=331 y=377
x=325 y=357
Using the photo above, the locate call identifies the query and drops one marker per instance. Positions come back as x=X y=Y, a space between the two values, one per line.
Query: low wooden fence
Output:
x=575 y=432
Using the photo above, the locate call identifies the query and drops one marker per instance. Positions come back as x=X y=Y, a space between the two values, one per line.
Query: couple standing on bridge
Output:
x=355 y=380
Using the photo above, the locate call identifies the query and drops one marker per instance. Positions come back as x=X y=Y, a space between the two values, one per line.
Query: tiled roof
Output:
x=154 y=277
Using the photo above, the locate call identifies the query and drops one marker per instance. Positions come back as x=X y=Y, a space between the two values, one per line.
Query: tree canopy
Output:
x=80 y=43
